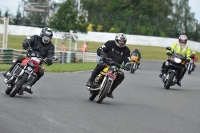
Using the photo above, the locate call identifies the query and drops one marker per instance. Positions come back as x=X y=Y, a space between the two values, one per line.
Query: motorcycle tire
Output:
x=190 y=69
x=8 y=90
x=103 y=93
x=170 y=80
x=92 y=95
x=18 y=85
x=132 y=68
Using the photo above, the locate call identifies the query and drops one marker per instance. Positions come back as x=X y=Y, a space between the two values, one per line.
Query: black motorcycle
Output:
x=173 y=70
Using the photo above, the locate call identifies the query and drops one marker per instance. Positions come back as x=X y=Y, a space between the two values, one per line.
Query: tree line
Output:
x=164 y=18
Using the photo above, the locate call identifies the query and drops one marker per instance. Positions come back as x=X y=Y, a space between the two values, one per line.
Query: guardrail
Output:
x=8 y=55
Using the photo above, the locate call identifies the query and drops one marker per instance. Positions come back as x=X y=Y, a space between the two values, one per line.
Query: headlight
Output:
x=177 y=60
x=30 y=69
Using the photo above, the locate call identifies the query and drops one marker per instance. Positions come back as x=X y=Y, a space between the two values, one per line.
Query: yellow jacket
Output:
x=186 y=52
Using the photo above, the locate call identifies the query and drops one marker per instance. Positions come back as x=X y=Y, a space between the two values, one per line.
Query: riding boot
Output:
x=95 y=72
x=161 y=72
x=110 y=93
x=29 y=86
x=91 y=80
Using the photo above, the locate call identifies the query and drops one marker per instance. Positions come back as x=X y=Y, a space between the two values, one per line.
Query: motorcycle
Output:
x=103 y=81
x=174 y=69
x=134 y=63
x=24 y=73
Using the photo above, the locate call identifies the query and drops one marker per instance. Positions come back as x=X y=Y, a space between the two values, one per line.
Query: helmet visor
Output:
x=46 y=39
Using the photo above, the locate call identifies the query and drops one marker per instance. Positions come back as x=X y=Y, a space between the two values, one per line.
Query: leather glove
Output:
x=25 y=46
x=49 y=62
x=187 y=60
x=128 y=66
x=103 y=54
x=169 y=54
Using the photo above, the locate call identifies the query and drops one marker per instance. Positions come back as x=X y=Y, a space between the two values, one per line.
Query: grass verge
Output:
x=147 y=52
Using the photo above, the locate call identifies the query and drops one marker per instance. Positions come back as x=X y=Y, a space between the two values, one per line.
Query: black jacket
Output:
x=114 y=52
x=45 y=50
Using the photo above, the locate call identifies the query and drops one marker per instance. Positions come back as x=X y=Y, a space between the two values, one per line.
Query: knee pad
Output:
x=40 y=71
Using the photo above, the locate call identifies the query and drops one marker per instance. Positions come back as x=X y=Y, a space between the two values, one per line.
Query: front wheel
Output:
x=170 y=80
x=19 y=85
x=104 y=91
x=133 y=68
x=190 y=68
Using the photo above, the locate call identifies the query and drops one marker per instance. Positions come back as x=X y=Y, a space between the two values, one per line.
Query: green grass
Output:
x=147 y=52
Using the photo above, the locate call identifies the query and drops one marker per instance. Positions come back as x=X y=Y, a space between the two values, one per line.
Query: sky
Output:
x=12 y=5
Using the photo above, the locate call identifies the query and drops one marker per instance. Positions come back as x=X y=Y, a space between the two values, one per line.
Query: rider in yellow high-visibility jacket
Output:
x=181 y=49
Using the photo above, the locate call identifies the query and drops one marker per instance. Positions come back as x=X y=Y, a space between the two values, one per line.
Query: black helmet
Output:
x=46 y=34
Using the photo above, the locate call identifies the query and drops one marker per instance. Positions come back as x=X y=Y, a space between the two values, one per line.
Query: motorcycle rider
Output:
x=195 y=58
x=40 y=45
x=136 y=52
x=118 y=52
x=181 y=49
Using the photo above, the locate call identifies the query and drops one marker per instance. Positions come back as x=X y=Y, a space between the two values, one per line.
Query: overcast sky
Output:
x=12 y=5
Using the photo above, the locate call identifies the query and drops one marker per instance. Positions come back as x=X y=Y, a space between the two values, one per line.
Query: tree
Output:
x=18 y=19
x=67 y=18
x=7 y=14
x=38 y=15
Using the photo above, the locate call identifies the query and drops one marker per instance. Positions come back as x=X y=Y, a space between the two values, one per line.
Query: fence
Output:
x=8 y=55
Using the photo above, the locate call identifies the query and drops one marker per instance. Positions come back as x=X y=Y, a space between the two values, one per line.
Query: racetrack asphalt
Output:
x=59 y=104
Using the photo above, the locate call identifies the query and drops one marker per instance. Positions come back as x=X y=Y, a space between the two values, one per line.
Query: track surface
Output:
x=60 y=104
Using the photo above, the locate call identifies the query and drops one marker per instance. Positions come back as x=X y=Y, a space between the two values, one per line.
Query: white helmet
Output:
x=120 y=37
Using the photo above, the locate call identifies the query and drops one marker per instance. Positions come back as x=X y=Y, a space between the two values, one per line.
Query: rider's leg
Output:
x=184 y=69
x=95 y=72
x=162 y=69
x=39 y=75
x=117 y=81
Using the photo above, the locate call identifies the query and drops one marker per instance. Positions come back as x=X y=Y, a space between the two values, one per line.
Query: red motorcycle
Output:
x=24 y=73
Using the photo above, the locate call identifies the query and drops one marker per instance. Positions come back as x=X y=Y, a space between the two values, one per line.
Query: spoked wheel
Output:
x=132 y=68
x=104 y=91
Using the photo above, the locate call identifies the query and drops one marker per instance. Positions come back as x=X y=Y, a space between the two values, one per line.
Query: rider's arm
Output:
x=188 y=53
x=51 y=51
x=172 y=48
x=127 y=57
x=103 y=48
x=29 y=41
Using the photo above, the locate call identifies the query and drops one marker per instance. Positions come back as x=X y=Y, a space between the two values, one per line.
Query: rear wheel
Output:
x=170 y=80
x=18 y=85
x=8 y=90
x=103 y=93
x=92 y=95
